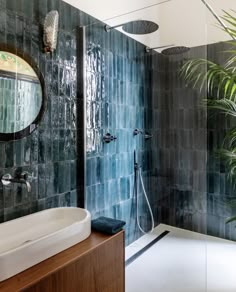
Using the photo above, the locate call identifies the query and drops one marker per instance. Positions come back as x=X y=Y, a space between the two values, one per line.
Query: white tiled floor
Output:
x=182 y=261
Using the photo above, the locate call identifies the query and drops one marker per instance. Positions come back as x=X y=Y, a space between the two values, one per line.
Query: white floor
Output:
x=182 y=261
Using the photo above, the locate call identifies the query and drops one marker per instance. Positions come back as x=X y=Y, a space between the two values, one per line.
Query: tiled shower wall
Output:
x=191 y=185
x=181 y=135
x=219 y=188
x=50 y=152
x=118 y=100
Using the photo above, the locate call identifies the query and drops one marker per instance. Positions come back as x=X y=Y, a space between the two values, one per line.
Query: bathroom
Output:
x=122 y=133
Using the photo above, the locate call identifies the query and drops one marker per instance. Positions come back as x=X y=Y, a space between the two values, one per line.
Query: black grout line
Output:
x=139 y=253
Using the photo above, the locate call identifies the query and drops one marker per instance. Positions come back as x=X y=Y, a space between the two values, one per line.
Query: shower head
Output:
x=140 y=27
x=136 y=27
x=175 y=50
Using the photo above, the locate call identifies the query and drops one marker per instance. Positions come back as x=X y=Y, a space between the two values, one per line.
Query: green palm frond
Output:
x=231 y=63
x=225 y=106
x=231 y=219
x=229 y=158
x=230 y=139
x=200 y=73
x=231 y=203
x=220 y=83
x=232 y=59
x=231 y=20
x=232 y=43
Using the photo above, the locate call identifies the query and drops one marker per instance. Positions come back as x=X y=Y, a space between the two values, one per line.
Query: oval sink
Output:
x=31 y=239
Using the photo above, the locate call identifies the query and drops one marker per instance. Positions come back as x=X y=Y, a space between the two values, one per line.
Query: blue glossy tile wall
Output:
x=126 y=89
x=117 y=70
x=118 y=100
x=50 y=153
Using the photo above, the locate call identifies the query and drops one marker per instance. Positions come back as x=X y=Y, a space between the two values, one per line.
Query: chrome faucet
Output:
x=137 y=132
x=22 y=179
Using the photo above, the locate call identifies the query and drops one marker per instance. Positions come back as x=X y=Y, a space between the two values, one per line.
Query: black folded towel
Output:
x=107 y=225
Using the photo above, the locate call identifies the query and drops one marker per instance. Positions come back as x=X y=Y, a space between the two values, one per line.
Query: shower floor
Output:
x=181 y=261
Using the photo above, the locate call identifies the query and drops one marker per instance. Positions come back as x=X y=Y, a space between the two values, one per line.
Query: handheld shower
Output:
x=138 y=177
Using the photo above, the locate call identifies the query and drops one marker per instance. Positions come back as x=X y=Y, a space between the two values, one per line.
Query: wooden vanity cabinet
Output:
x=94 y=265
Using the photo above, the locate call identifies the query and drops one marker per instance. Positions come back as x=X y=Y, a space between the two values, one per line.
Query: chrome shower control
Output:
x=148 y=136
x=109 y=138
x=137 y=131
x=6 y=179
x=27 y=176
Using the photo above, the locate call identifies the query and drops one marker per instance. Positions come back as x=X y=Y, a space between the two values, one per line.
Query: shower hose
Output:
x=139 y=176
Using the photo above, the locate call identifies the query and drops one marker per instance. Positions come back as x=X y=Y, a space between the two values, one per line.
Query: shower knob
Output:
x=108 y=138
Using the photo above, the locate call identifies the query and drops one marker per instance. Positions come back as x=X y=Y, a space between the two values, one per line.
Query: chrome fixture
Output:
x=146 y=135
x=137 y=132
x=138 y=177
x=7 y=179
x=136 y=27
x=175 y=50
x=218 y=18
x=108 y=28
x=50 y=31
x=109 y=138
x=147 y=49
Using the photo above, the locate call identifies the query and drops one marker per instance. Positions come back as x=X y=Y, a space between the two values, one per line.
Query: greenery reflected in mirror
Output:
x=21 y=94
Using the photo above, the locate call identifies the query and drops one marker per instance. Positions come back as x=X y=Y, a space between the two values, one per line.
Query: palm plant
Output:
x=220 y=81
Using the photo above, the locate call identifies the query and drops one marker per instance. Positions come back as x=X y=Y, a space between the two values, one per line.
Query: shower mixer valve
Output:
x=137 y=132
x=109 y=138
x=146 y=135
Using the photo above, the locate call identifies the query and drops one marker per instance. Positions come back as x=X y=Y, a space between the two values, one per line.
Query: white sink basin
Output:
x=31 y=239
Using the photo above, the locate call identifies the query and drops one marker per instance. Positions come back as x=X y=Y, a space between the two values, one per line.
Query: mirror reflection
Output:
x=20 y=93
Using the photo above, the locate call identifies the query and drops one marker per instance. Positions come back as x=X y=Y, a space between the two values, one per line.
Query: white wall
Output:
x=182 y=22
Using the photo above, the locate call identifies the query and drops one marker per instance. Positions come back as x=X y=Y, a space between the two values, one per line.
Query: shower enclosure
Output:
x=131 y=87
x=140 y=112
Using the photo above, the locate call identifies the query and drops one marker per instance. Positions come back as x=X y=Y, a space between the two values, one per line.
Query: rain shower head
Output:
x=136 y=27
x=140 y=27
x=175 y=50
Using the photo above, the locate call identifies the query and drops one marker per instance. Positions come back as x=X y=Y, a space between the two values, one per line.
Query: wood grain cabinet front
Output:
x=94 y=265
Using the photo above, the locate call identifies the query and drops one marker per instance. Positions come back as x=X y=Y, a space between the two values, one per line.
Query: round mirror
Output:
x=22 y=100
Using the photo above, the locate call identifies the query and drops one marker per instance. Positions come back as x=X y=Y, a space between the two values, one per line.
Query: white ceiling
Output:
x=181 y=22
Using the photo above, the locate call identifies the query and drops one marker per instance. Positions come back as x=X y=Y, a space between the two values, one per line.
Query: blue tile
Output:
x=100 y=197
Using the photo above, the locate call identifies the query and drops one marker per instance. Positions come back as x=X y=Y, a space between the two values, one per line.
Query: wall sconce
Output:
x=50 y=31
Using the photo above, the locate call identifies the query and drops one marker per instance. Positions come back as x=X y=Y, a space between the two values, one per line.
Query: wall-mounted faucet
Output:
x=22 y=179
